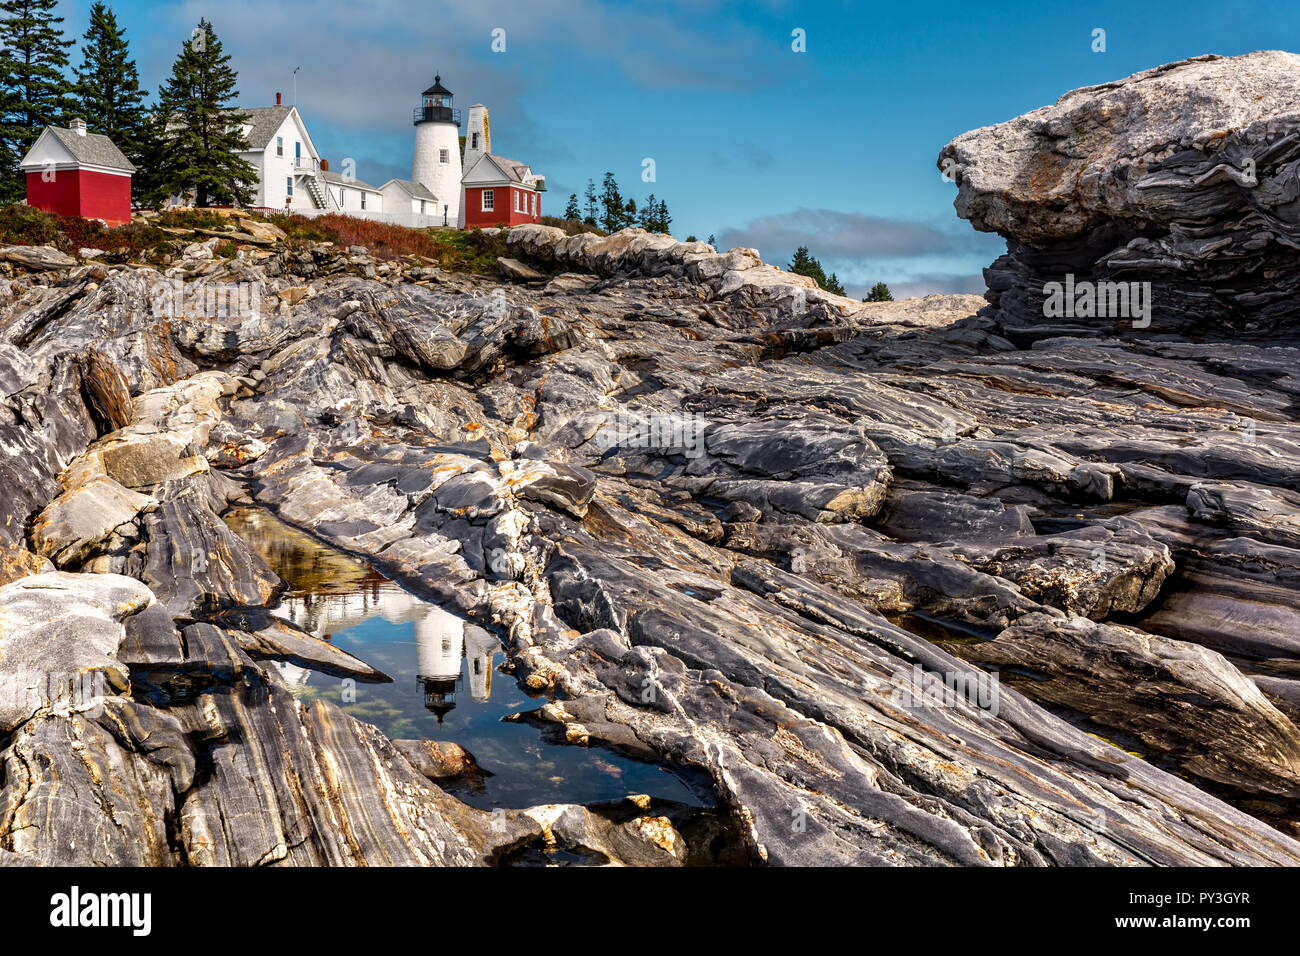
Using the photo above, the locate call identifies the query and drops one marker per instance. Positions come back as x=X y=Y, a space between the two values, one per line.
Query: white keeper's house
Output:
x=293 y=177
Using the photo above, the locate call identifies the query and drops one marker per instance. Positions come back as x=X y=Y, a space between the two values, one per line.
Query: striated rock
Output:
x=59 y=635
x=1083 y=665
x=1182 y=177
x=865 y=574
x=516 y=271
x=74 y=524
x=106 y=391
x=37 y=257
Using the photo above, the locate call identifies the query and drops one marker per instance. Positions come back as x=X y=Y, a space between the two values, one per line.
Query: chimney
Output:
x=78 y=126
x=325 y=165
x=277 y=99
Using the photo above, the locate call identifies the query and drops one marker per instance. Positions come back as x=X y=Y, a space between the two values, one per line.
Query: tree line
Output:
x=185 y=142
x=806 y=264
x=611 y=212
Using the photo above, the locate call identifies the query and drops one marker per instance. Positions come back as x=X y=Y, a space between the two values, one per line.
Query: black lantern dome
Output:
x=435 y=105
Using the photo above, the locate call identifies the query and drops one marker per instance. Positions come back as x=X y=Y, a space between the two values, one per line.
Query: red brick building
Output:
x=73 y=172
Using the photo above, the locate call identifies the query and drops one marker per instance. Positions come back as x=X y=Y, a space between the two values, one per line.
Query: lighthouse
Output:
x=436 y=165
x=439 y=649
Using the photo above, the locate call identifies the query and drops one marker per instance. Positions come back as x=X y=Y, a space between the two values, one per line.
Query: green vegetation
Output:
x=202 y=132
x=879 y=293
x=805 y=264
x=572 y=225
x=34 y=88
x=107 y=91
x=453 y=250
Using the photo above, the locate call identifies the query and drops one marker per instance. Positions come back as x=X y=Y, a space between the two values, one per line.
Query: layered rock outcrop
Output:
x=1183 y=177
x=889 y=586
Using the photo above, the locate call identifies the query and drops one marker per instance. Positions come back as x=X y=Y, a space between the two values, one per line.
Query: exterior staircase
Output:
x=319 y=191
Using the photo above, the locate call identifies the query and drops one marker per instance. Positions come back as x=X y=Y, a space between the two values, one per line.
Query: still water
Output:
x=445 y=683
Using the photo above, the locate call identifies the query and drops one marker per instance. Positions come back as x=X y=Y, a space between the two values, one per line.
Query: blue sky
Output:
x=759 y=145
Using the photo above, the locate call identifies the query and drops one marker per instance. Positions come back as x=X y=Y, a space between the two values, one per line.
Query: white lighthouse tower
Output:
x=436 y=165
x=439 y=649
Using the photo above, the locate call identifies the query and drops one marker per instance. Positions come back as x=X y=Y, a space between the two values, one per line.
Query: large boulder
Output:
x=1183 y=176
x=59 y=635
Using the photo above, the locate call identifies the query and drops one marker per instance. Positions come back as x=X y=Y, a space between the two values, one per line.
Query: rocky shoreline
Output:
x=923 y=582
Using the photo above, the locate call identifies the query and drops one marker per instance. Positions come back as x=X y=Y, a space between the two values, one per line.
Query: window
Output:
x=363 y=200
x=489 y=199
x=473 y=141
x=515 y=192
x=421 y=207
x=279 y=146
x=443 y=156
x=297 y=154
x=534 y=204
x=288 y=185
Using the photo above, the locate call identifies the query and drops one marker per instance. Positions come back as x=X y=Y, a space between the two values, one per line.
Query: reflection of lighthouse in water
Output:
x=442 y=639
x=480 y=646
x=439 y=646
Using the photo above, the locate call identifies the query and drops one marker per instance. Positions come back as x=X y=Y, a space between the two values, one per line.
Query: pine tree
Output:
x=611 y=201
x=590 y=196
x=646 y=217
x=805 y=264
x=629 y=214
x=36 y=92
x=108 y=91
x=833 y=285
x=571 y=211
x=202 y=132
x=879 y=293
x=713 y=242
x=662 y=219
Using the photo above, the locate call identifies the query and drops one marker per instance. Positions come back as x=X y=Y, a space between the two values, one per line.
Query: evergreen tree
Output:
x=571 y=211
x=646 y=217
x=711 y=241
x=611 y=201
x=629 y=214
x=108 y=91
x=201 y=131
x=805 y=264
x=879 y=293
x=590 y=196
x=662 y=219
x=35 y=92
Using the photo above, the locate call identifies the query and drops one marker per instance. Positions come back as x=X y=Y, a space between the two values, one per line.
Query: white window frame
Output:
x=444 y=156
x=288 y=186
x=421 y=207
x=362 y=193
x=489 y=200
x=279 y=146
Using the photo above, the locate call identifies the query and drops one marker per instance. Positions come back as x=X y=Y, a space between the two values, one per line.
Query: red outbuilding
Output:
x=76 y=173
x=501 y=192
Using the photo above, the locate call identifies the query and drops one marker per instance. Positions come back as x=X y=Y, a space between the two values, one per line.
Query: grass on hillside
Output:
x=471 y=251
